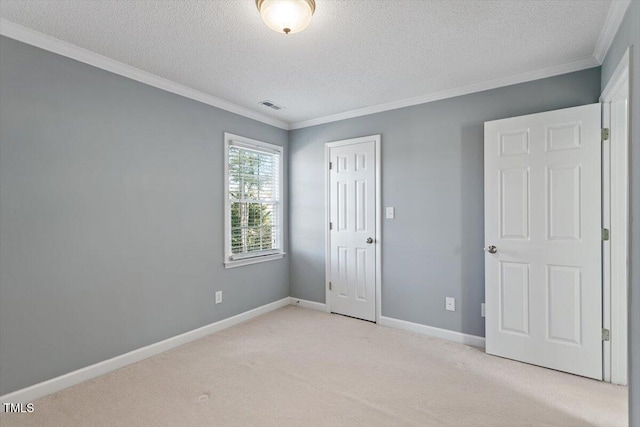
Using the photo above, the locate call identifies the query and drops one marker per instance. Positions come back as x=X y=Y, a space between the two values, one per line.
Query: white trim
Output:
x=616 y=218
x=611 y=24
x=52 y=44
x=264 y=147
x=53 y=385
x=523 y=77
x=307 y=304
x=606 y=246
x=378 y=229
x=327 y=214
x=253 y=260
x=619 y=77
x=430 y=331
x=327 y=234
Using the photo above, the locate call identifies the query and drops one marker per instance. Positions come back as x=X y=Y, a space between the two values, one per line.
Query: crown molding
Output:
x=26 y=35
x=513 y=79
x=43 y=41
x=611 y=24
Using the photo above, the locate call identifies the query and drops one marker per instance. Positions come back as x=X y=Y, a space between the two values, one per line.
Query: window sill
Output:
x=255 y=260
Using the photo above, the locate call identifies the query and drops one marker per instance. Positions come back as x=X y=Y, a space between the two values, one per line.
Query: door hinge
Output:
x=604 y=134
x=330 y=226
x=605 y=234
x=605 y=335
x=330 y=165
x=329 y=285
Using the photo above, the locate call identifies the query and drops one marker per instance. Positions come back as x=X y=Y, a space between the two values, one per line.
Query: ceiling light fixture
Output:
x=287 y=16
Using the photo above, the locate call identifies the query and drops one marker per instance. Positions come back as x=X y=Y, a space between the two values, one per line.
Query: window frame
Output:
x=231 y=140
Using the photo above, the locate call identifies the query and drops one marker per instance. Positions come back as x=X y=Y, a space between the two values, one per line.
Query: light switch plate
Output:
x=391 y=212
x=482 y=312
x=218 y=297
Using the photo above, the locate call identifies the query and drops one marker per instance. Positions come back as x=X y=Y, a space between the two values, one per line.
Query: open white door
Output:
x=352 y=239
x=543 y=265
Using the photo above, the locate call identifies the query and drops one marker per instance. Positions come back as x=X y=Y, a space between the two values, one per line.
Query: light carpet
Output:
x=298 y=367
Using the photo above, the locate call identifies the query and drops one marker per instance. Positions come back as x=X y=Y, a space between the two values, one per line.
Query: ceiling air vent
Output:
x=271 y=105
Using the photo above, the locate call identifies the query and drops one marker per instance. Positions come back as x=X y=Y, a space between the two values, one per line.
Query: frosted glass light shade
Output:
x=286 y=16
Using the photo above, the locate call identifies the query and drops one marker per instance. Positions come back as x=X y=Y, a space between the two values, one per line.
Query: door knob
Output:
x=491 y=249
x=370 y=240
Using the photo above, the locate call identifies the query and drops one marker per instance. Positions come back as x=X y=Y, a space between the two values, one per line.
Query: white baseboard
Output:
x=307 y=304
x=457 y=337
x=53 y=385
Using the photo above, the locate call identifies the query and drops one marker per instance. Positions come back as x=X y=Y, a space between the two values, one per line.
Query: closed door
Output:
x=352 y=238
x=543 y=284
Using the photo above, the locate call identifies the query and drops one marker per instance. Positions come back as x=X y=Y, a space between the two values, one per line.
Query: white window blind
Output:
x=254 y=223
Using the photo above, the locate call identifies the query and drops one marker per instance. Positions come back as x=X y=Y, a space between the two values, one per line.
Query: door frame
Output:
x=615 y=292
x=378 y=210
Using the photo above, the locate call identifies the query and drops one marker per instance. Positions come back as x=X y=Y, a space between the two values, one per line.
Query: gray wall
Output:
x=629 y=35
x=432 y=172
x=111 y=221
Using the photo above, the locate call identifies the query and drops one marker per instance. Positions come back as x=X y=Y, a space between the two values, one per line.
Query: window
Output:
x=253 y=208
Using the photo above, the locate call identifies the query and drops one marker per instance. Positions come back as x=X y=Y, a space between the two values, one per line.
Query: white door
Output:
x=352 y=235
x=543 y=284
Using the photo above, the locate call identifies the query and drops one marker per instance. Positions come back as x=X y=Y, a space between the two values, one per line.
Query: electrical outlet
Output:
x=482 y=313
x=450 y=304
x=218 y=297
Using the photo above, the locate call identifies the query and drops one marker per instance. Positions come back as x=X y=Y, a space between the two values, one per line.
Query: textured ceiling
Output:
x=354 y=54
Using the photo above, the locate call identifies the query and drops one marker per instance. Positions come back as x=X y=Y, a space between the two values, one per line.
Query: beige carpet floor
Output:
x=297 y=367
